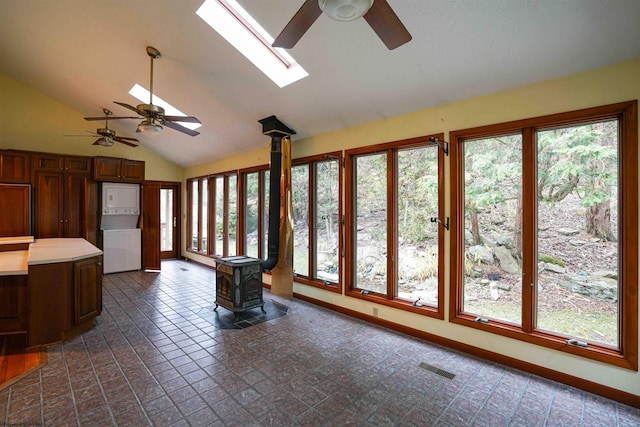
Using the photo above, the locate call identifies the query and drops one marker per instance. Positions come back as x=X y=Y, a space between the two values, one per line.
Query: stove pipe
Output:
x=277 y=130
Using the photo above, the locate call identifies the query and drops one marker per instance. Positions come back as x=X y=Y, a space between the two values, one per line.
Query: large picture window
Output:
x=317 y=221
x=545 y=218
x=396 y=226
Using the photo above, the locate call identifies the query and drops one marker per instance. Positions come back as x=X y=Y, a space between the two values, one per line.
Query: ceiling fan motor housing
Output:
x=151 y=110
x=345 y=10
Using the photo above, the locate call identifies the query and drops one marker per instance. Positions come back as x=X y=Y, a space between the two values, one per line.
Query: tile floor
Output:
x=157 y=357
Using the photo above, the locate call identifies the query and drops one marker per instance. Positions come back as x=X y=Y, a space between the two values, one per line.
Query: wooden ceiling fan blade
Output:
x=111 y=118
x=299 y=24
x=186 y=119
x=122 y=141
x=130 y=107
x=127 y=138
x=386 y=24
x=97 y=142
x=181 y=128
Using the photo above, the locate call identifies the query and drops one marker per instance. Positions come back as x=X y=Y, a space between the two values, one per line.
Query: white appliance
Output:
x=121 y=239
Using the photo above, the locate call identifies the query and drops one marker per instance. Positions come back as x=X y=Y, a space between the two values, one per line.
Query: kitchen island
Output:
x=50 y=289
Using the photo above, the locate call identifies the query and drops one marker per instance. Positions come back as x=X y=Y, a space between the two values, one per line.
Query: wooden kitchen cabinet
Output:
x=66 y=306
x=13 y=304
x=60 y=194
x=60 y=201
x=15 y=166
x=59 y=163
x=113 y=169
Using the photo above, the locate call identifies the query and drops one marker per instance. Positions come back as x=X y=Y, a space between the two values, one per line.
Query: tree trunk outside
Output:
x=475 y=228
x=598 y=218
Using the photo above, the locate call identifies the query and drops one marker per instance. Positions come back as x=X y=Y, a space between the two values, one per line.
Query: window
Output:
x=225 y=199
x=316 y=220
x=197 y=201
x=255 y=207
x=538 y=209
x=396 y=232
x=212 y=211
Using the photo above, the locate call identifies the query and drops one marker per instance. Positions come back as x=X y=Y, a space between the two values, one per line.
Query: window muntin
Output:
x=545 y=138
x=194 y=195
x=390 y=259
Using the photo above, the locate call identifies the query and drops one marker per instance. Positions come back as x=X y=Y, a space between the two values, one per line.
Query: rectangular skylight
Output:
x=142 y=95
x=239 y=28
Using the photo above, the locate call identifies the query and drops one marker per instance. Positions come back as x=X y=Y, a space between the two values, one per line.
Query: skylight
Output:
x=142 y=95
x=239 y=28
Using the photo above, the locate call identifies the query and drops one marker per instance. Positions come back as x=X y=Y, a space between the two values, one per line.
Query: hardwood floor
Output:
x=16 y=361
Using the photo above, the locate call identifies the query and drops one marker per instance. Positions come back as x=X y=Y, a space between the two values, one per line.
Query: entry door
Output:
x=169 y=220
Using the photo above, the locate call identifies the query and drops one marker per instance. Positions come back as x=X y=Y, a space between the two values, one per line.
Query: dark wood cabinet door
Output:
x=107 y=169
x=75 y=205
x=15 y=166
x=77 y=165
x=48 y=162
x=87 y=289
x=48 y=191
x=13 y=304
x=132 y=170
x=15 y=202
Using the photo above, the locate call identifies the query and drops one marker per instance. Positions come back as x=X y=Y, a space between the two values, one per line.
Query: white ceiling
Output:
x=88 y=53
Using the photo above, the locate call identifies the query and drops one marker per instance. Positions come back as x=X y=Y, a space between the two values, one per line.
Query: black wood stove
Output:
x=239 y=284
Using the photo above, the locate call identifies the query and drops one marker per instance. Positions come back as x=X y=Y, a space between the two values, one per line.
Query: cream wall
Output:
x=617 y=83
x=32 y=121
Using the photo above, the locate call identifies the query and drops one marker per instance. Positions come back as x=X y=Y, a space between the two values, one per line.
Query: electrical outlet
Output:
x=375 y=311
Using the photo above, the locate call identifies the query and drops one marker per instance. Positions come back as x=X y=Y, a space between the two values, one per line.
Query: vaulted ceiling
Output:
x=87 y=54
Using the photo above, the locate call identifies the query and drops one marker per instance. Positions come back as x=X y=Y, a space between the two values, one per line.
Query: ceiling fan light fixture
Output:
x=105 y=142
x=345 y=10
x=148 y=126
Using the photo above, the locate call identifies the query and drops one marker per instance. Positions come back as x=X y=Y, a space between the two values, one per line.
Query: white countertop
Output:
x=44 y=251
x=14 y=263
x=47 y=251
x=16 y=240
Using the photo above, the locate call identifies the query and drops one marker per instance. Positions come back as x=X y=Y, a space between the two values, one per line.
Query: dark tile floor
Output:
x=158 y=357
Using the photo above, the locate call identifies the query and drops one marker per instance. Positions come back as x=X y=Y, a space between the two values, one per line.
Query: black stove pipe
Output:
x=277 y=130
x=273 y=245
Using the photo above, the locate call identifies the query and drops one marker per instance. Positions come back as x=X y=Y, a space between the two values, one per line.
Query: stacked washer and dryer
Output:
x=121 y=237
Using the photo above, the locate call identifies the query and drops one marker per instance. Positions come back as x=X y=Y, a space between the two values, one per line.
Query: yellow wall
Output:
x=607 y=85
x=32 y=121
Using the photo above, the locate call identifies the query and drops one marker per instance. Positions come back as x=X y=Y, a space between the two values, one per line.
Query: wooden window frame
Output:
x=241 y=231
x=310 y=279
x=213 y=189
x=435 y=311
x=626 y=356
x=189 y=248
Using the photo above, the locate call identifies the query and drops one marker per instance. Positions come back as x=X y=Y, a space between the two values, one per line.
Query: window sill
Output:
x=425 y=309
x=600 y=353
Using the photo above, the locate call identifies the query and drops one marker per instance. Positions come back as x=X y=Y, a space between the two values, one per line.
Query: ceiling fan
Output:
x=153 y=115
x=106 y=136
x=378 y=14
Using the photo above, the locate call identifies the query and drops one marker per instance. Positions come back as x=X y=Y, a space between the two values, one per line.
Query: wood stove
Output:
x=239 y=284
